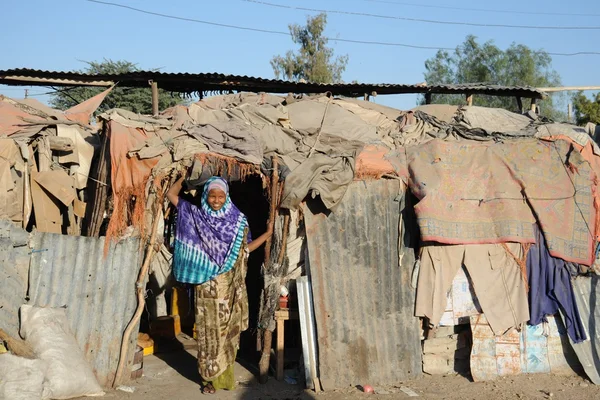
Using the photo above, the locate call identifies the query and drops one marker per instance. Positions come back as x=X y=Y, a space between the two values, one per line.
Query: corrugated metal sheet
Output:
x=363 y=299
x=186 y=82
x=98 y=292
x=14 y=267
x=587 y=294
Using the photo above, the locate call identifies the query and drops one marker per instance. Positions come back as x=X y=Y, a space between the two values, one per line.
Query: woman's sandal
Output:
x=208 y=389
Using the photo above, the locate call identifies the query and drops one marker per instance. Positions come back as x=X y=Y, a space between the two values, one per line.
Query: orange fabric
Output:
x=83 y=111
x=129 y=176
x=371 y=162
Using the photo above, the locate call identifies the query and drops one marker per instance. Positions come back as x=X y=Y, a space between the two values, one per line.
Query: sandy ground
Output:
x=174 y=376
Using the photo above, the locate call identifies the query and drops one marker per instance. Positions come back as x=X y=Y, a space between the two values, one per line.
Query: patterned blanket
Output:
x=494 y=192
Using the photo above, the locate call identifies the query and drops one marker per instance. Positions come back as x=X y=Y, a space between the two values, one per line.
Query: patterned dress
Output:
x=211 y=253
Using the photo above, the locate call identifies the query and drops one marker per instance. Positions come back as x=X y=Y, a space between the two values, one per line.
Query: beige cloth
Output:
x=495 y=275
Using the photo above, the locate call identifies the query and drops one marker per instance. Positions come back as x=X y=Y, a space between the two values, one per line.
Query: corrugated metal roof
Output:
x=98 y=292
x=14 y=267
x=363 y=300
x=587 y=294
x=206 y=82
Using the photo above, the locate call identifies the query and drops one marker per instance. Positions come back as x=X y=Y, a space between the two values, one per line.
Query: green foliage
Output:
x=586 y=110
x=473 y=62
x=138 y=100
x=314 y=61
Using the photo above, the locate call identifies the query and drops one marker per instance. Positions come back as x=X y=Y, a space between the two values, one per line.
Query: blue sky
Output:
x=58 y=35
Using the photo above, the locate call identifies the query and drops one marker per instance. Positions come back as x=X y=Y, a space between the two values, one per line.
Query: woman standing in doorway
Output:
x=212 y=243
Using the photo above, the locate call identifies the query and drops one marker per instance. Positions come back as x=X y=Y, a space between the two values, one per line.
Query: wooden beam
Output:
x=533 y=105
x=154 y=97
x=428 y=96
x=469 y=99
x=569 y=112
x=568 y=88
x=520 y=103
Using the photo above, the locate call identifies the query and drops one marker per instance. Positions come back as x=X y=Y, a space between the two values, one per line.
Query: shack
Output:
x=392 y=230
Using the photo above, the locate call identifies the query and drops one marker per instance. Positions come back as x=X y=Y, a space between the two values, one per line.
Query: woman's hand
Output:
x=256 y=243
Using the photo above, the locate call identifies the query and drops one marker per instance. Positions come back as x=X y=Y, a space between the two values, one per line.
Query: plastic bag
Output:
x=20 y=378
x=67 y=373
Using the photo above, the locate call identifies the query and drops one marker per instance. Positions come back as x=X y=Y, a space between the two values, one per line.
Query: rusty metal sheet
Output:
x=14 y=267
x=363 y=299
x=187 y=82
x=97 y=291
x=587 y=294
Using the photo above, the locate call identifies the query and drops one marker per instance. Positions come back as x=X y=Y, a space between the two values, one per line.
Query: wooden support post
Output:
x=520 y=103
x=154 y=86
x=280 y=355
x=265 y=358
x=469 y=99
x=533 y=105
x=428 y=98
x=569 y=112
x=366 y=96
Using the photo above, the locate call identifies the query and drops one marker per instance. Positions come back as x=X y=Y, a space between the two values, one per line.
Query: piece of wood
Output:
x=469 y=99
x=79 y=208
x=44 y=154
x=98 y=191
x=58 y=143
x=520 y=103
x=286 y=315
x=567 y=88
x=428 y=96
x=280 y=345
x=265 y=358
x=533 y=105
x=154 y=86
x=569 y=112
x=140 y=290
x=59 y=184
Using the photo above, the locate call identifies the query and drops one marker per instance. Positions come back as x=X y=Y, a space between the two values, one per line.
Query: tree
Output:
x=472 y=62
x=314 y=61
x=138 y=100
x=586 y=110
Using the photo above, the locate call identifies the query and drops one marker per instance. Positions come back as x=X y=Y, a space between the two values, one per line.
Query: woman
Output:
x=212 y=243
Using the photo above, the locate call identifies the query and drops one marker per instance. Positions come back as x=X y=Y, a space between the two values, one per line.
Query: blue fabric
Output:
x=550 y=288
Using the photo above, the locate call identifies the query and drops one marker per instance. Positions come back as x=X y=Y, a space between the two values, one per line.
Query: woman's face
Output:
x=216 y=199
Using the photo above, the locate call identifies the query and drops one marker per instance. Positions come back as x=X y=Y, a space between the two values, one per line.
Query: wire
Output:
x=328 y=38
x=488 y=10
x=428 y=21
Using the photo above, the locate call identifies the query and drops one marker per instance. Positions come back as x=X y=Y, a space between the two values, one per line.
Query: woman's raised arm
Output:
x=173 y=193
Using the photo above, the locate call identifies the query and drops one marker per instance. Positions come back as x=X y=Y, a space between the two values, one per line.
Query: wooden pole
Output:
x=428 y=98
x=533 y=105
x=520 y=104
x=567 y=88
x=154 y=86
x=469 y=99
x=569 y=112
x=265 y=358
x=140 y=290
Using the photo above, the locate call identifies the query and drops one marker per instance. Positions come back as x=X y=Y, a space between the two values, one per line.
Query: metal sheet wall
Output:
x=363 y=299
x=587 y=294
x=14 y=267
x=98 y=292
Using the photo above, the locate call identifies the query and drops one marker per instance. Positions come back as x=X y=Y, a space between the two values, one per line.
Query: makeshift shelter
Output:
x=381 y=216
x=481 y=179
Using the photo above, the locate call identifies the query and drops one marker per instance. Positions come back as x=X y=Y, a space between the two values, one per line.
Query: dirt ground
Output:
x=173 y=376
